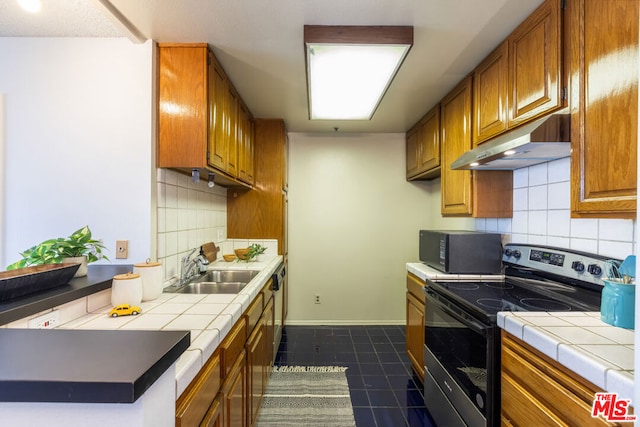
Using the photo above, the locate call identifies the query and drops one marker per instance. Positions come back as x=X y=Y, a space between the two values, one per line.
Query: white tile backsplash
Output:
x=189 y=214
x=538 y=174
x=542 y=215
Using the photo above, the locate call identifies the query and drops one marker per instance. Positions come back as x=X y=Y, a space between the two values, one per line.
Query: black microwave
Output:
x=461 y=252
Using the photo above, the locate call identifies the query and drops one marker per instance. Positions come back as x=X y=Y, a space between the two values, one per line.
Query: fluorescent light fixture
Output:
x=349 y=68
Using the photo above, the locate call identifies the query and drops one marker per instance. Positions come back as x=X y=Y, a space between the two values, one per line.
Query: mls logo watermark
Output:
x=611 y=408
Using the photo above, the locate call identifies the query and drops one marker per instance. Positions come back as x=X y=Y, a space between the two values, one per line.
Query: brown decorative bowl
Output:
x=242 y=253
x=27 y=280
x=229 y=257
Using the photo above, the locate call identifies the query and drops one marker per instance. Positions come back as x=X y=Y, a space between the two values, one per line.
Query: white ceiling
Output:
x=260 y=45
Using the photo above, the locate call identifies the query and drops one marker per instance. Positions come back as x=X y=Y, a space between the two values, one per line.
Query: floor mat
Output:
x=312 y=396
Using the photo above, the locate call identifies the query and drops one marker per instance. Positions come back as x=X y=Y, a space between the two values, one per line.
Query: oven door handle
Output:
x=472 y=324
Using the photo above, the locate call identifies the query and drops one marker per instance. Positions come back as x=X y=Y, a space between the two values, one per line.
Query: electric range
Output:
x=462 y=339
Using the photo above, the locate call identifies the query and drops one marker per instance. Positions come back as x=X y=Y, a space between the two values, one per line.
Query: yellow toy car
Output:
x=124 y=310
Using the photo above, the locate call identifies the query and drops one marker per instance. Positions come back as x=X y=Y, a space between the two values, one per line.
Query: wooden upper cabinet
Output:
x=490 y=92
x=197 y=113
x=183 y=115
x=423 y=147
x=481 y=194
x=411 y=144
x=245 y=144
x=603 y=47
x=261 y=213
x=218 y=137
x=456 y=140
x=535 y=64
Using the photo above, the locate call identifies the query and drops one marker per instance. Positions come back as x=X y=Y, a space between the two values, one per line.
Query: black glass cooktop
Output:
x=488 y=298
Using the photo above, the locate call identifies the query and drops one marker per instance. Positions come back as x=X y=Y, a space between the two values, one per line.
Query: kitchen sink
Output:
x=210 y=288
x=215 y=282
x=224 y=276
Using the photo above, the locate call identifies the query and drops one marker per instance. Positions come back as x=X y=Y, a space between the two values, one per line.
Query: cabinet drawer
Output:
x=415 y=286
x=254 y=312
x=232 y=346
x=193 y=404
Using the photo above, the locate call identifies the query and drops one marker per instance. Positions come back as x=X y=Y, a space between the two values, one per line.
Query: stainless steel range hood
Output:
x=540 y=141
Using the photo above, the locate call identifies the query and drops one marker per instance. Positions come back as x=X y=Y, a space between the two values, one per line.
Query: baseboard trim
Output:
x=345 y=323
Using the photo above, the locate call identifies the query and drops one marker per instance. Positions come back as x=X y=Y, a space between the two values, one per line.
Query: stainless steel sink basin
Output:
x=224 y=276
x=211 y=288
x=216 y=282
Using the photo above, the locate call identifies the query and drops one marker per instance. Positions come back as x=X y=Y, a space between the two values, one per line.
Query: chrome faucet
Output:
x=191 y=267
x=186 y=268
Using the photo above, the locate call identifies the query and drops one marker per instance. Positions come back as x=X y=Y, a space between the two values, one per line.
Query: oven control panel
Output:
x=567 y=263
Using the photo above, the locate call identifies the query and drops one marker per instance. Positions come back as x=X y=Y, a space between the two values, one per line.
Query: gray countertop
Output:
x=39 y=365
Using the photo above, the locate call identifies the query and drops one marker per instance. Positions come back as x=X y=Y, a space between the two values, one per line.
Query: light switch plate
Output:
x=122 y=249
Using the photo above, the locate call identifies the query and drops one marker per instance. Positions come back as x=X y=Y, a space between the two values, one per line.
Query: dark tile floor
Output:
x=384 y=391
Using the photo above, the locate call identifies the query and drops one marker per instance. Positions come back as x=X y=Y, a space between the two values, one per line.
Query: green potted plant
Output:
x=255 y=250
x=78 y=248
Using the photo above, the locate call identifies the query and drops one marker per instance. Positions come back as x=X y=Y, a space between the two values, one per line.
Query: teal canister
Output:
x=617 y=306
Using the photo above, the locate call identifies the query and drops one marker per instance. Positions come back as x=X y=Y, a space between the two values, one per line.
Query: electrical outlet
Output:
x=220 y=235
x=46 y=321
x=317 y=299
x=122 y=249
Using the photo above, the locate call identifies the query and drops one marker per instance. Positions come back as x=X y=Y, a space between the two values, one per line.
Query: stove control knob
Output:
x=577 y=266
x=594 y=269
x=508 y=252
x=517 y=253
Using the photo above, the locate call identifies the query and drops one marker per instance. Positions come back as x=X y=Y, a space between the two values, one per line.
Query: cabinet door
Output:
x=231 y=133
x=214 y=417
x=604 y=107
x=423 y=147
x=245 y=144
x=218 y=136
x=412 y=152
x=255 y=371
x=456 y=139
x=429 y=140
x=490 y=91
x=269 y=323
x=234 y=389
x=194 y=402
x=182 y=106
x=535 y=73
x=415 y=334
x=536 y=390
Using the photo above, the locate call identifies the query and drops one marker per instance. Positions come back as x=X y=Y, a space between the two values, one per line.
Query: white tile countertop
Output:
x=208 y=317
x=598 y=352
x=424 y=272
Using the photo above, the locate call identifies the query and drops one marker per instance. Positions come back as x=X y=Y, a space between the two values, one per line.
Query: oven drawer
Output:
x=439 y=406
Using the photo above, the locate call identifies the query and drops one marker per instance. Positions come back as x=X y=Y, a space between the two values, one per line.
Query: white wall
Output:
x=79 y=135
x=353 y=225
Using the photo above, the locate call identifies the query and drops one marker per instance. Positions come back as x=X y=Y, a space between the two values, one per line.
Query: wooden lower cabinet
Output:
x=259 y=360
x=235 y=394
x=215 y=414
x=229 y=389
x=195 y=402
x=415 y=324
x=538 y=391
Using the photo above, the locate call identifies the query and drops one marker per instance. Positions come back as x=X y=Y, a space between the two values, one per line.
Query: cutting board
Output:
x=210 y=251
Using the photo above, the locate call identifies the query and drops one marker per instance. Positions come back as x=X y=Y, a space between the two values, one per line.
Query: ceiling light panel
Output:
x=349 y=68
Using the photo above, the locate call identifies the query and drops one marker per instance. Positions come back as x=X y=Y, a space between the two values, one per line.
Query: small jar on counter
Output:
x=151 y=275
x=126 y=289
